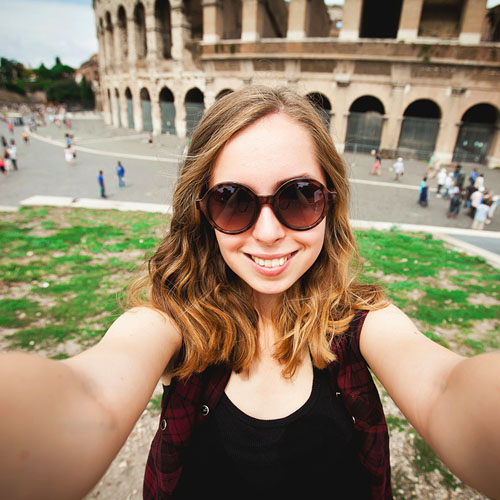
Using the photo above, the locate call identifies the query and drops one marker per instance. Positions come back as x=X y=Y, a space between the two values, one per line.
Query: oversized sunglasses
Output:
x=299 y=204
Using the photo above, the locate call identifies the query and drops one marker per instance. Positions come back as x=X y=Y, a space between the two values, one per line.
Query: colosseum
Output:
x=420 y=78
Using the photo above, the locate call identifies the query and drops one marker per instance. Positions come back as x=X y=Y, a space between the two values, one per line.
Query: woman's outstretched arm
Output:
x=63 y=422
x=452 y=401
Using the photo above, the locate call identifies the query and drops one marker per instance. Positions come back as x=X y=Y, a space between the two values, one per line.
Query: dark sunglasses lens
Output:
x=301 y=204
x=231 y=207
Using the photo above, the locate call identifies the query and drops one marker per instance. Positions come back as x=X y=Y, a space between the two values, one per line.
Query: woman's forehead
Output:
x=272 y=149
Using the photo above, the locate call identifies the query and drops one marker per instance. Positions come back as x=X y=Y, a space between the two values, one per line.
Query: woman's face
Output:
x=269 y=256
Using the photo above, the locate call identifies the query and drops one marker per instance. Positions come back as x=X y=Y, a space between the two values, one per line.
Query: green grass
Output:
x=62 y=271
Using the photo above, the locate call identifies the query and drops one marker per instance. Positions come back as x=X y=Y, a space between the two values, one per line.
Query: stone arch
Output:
x=163 y=28
x=364 y=124
x=222 y=93
x=322 y=105
x=419 y=130
x=130 y=108
x=194 y=103
x=121 y=25
x=109 y=39
x=194 y=15
x=141 y=44
x=147 y=120
x=476 y=133
x=167 y=111
x=118 y=107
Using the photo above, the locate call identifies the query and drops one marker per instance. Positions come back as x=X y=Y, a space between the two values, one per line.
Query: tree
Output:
x=64 y=91
x=86 y=93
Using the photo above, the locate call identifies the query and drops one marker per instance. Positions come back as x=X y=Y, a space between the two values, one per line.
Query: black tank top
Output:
x=310 y=452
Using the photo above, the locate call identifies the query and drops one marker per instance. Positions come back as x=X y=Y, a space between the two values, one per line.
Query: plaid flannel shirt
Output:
x=187 y=403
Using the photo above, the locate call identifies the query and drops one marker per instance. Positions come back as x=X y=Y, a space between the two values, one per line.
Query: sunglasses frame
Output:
x=201 y=203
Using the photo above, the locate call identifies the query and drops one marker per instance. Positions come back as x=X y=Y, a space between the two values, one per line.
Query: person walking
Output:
x=26 y=138
x=5 y=144
x=399 y=168
x=481 y=215
x=377 y=166
x=448 y=184
x=100 y=180
x=120 y=172
x=455 y=202
x=441 y=180
x=69 y=155
x=13 y=154
x=475 y=200
x=422 y=197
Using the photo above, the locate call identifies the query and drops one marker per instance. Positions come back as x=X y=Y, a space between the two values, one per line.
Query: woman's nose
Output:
x=267 y=227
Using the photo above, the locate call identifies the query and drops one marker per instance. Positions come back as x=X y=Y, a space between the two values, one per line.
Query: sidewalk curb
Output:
x=93 y=203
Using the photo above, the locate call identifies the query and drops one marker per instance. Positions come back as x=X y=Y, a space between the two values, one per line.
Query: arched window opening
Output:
x=130 y=108
x=141 y=44
x=109 y=40
x=147 y=121
x=375 y=25
x=322 y=105
x=364 y=125
x=419 y=130
x=232 y=17
x=476 y=133
x=162 y=28
x=222 y=93
x=122 y=32
x=167 y=110
x=194 y=15
x=195 y=107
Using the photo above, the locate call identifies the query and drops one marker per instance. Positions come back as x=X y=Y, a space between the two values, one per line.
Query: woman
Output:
x=422 y=195
x=253 y=318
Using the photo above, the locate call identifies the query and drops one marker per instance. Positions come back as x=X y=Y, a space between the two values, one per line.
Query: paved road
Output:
x=151 y=172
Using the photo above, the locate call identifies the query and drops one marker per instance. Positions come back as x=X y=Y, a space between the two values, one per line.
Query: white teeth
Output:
x=269 y=262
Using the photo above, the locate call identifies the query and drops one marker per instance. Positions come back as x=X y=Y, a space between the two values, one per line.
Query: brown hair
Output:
x=213 y=308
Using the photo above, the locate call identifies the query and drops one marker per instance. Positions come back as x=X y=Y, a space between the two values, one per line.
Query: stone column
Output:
x=252 y=20
x=298 y=19
x=392 y=126
x=351 y=20
x=409 y=22
x=155 y=112
x=180 y=117
x=114 y=108
x=132 y=51
x=212 y=21
x=473 y=15
x=123 y=109
x=137 y=106
x=151 y=38
x=493 y=159
x=179 y=29
x=450 y=124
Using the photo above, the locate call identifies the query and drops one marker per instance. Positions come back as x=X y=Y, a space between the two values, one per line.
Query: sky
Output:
x=36 y=31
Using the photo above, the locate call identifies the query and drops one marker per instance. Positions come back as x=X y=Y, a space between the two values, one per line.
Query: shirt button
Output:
x=205 y=410
x=163 y=424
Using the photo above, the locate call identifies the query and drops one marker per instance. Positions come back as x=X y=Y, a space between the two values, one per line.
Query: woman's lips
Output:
x=271 y=265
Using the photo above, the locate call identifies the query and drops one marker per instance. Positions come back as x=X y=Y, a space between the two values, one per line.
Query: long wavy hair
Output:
x=213 y=308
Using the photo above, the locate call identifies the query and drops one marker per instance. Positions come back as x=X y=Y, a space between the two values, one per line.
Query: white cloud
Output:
x=35 y=31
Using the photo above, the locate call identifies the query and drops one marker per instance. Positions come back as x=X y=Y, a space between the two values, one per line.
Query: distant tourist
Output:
x=422 y=196
x=120 y=172
x=399 y=168
x=481 y=215
x=441 y=181
x=100 y=180
x=377 y=166
x=13 y=153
